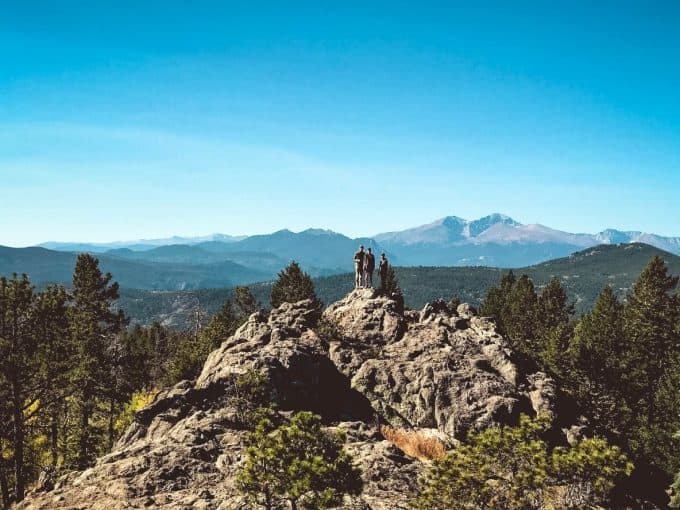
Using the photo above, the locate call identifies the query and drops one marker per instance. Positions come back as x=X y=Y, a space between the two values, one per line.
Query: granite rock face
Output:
x=366 y=363
x=441 y=368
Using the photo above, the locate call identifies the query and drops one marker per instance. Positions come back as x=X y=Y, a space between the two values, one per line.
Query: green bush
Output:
x=248 y=395
x=299 y=463
x=512 y=468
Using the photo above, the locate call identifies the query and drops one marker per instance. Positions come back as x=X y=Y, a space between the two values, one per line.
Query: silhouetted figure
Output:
x=369 y=267
x=382 y=271
x=359 y=267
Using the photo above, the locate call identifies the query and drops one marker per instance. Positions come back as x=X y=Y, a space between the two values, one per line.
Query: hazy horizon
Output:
x=243 y=235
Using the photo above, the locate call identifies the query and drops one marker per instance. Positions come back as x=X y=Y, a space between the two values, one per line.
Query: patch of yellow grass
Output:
x=413 y=443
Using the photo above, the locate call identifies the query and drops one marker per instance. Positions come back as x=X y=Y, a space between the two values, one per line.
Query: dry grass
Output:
x=413 y=443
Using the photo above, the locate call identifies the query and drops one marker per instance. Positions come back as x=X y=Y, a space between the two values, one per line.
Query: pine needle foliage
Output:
x=298 y=463
x=512 y=468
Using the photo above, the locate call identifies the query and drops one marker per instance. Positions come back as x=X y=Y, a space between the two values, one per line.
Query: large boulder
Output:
x=440 y=368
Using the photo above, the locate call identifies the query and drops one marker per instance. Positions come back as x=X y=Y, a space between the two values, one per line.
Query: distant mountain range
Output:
x=495 y=240
x=498 y=240
x=139 y=245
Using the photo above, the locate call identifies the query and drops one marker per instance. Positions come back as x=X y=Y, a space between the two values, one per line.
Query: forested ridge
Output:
x=582 y=274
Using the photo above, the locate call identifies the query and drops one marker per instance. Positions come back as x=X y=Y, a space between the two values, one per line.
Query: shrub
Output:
x=328 y=330
x=250 y=393
x=138 y=401
x=299 y=463
x=511 y=468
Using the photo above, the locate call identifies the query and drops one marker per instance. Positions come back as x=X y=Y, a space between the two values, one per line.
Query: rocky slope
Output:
x=443 y=370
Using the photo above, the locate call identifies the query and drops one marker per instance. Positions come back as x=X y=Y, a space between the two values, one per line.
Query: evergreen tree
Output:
x=250 y=395
x=93 y=323
x=555 y=352
x=512 y=468
x=293 y=285
x=659 y=439
x=391 y=287
x=140 y=362
x=300 y=463
x=148 y=351
x=221 y=326
x=18 y=367
x=191 y=350
x=33 y=361
x=650 y=320
x=188 y=356
x=519 y=316
x=600 y=352
x=650 y=326
x=56 y=360
x=496 y=302
x=553 y=308
x=4 y=446
x=554 y=330
x=245 y=302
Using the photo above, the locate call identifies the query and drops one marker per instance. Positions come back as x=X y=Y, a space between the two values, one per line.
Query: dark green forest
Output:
x=582 y=274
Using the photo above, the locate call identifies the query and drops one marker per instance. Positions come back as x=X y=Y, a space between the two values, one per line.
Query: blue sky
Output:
x=124 y=120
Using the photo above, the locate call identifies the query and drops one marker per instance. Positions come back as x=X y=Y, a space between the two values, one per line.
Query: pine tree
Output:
x=92 y=324
x=245 y=302
x=511 y=468
x=496 y=302
x=55 y=358
x=650 y=319
x=662 y=440
x=221 y=326
x=300 y=463
x=18 y=368
x=391 y=287
x=650 y=326
x=293 y=285
x=33 y=363
x=519 y=316
x=554 y=329
x=553 y=308
x=600 y=352
x=139 y=356
x=188 y=356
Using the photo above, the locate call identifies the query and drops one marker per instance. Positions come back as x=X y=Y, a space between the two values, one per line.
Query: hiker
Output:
x=382 y=271
x=369 y=267
x=359 y=267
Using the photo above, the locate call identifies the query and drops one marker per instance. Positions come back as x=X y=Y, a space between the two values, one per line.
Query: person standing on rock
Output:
x=382 y=271
x=359 y=267
x=369 y=267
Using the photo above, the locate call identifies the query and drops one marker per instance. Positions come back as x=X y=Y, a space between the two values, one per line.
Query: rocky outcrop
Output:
x=440 y=369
